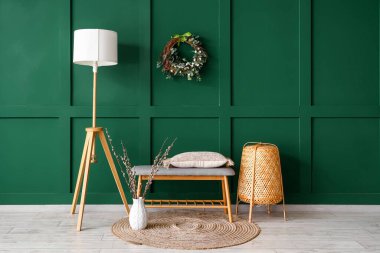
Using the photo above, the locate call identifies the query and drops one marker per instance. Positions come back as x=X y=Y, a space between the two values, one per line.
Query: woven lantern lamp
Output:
x=260 y=178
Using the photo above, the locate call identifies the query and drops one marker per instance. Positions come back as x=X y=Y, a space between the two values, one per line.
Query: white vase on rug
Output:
x=138 y=218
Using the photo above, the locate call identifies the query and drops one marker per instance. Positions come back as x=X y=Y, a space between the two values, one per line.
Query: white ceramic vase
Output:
x=138 y=218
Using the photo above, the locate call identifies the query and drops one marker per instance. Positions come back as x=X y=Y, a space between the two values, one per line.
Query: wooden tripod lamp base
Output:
x=84 y=170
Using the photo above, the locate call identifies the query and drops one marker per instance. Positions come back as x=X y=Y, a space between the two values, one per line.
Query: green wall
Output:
x=303 y=74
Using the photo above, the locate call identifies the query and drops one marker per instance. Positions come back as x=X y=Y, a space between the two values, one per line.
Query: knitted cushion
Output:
x=199 y=160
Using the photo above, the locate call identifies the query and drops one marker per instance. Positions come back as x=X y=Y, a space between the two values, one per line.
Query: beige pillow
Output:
x=199 y=160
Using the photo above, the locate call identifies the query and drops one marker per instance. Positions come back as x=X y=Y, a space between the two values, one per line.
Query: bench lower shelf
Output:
x=170 y=203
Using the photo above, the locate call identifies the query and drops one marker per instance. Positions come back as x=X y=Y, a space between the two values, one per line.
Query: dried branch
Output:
x=131 y=172
x=126 y=167
x=157 y=163
x=128 y=172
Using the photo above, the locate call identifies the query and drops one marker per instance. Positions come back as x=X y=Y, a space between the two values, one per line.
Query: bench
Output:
x=216 y=174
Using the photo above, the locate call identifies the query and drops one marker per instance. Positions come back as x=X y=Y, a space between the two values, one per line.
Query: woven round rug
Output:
x=188 y=230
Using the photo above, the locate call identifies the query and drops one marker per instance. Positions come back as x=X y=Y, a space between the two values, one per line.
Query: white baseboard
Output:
x=242 y=208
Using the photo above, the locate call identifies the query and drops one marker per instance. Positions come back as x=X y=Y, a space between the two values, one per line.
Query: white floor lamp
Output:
x=94 y=47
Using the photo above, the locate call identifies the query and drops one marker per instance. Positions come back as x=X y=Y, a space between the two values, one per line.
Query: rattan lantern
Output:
x=260 y=178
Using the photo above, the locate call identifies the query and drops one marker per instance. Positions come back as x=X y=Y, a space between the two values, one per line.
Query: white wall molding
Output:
x=242 y=208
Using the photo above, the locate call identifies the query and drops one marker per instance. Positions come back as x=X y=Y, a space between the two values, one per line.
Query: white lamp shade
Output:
x=95 y=47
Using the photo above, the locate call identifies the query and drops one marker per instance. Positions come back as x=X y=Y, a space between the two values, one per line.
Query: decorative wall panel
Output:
x=302 y=74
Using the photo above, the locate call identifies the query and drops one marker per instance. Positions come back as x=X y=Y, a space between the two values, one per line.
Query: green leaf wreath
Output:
x=174 y=65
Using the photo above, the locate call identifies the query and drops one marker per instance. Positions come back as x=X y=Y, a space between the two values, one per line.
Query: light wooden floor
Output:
x=324 y=229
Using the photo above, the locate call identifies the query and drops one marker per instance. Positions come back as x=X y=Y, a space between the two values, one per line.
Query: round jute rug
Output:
x=188 y=230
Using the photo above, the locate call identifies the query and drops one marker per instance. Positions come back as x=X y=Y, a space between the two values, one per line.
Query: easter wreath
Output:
x=174 y=65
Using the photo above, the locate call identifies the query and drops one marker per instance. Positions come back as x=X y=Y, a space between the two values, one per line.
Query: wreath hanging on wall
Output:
x=174 y=65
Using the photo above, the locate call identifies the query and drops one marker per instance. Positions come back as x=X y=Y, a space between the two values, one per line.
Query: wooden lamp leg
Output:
x=85 y=180
x=80 y=174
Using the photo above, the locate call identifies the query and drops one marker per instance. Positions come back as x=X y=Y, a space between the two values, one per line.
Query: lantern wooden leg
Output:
x=251 y=206
x=237 y=204
x=268 y=209
x=237 y=200
x=284 y=210
x=283 y=195
x=283 y=206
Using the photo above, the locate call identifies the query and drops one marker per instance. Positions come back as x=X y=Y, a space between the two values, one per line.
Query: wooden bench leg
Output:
x=227 y=190
x=224 y=196
x=139 y=181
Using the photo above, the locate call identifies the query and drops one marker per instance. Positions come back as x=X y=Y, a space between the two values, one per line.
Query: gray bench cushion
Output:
x=144 y=170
